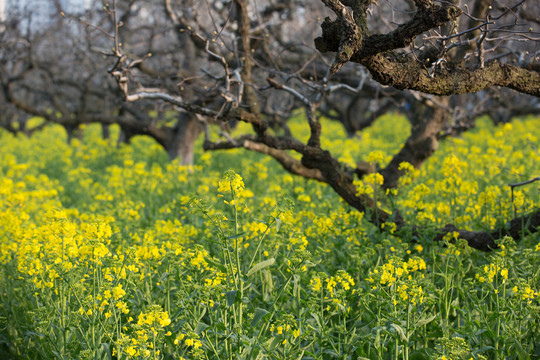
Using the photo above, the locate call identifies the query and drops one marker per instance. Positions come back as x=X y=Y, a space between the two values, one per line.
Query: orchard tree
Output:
x=68 y=90
x=250 y=54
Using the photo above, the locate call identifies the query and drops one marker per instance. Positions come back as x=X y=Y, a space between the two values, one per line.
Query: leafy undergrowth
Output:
x=113 y=252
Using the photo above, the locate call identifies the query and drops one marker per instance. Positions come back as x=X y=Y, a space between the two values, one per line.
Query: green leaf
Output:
x=236 y=236
x=275 y=342
x=426 y=320
x=278 y=224
x=484 y=349
x=317 y=319
x=200 y=328
x=104 y=352
x=69 y=335
x=202 y=314
x=400 y=331
x=259 y=314
x=231 y=297
x=331 y=352
x=260 y=266
x=216 y=264
x=480 y=332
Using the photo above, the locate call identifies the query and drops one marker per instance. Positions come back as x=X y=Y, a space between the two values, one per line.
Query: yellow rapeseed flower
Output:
x=231 y=182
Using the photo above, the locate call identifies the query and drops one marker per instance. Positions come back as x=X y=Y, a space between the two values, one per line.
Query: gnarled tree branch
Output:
x=412 y=75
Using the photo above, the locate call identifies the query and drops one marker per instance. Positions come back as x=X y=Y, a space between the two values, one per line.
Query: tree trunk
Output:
x=72 y=131
x=427 y=121
x=105 y=131
x=182 y=139
x=125 y=135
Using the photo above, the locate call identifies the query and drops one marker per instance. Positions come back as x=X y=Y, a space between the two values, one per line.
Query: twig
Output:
x=513 y=185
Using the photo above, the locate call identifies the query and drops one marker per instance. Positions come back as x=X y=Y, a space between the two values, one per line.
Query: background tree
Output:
x=56 y=72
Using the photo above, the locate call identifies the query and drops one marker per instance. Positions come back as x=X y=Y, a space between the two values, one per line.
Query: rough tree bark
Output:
x=410 y=73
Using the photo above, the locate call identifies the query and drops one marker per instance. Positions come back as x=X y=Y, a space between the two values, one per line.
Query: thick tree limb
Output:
x=288 y=162
x=412 y=75
x=351 y=36
x=244 y=45
x=228 y=144
x=342 y=183
x=426 y=18
x=485 y=240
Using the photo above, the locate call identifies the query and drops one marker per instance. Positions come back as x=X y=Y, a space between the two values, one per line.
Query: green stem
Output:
x=168 y=300
x=406 y=347
x=224 y=238
x=237 y=250
x=497 y=304
x=62 y=301
x=211 y=345
x=226 y=324
x=93 y=299
x=273 y=312
x=261 y=240
x=379 y=347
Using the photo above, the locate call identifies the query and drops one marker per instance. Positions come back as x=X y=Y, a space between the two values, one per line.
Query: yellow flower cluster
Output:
x=396 y=269
x=231 y=183
x=334 y=290
x=409 y=173
x=368 y=184
x=525 y=292
x=412 y=293
x=146 y=332
x=490 y=271
x=154 y=318
x=188 y=341
x=342 y=280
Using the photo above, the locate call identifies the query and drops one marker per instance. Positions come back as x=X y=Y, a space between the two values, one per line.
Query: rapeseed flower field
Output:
x=113 y=252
